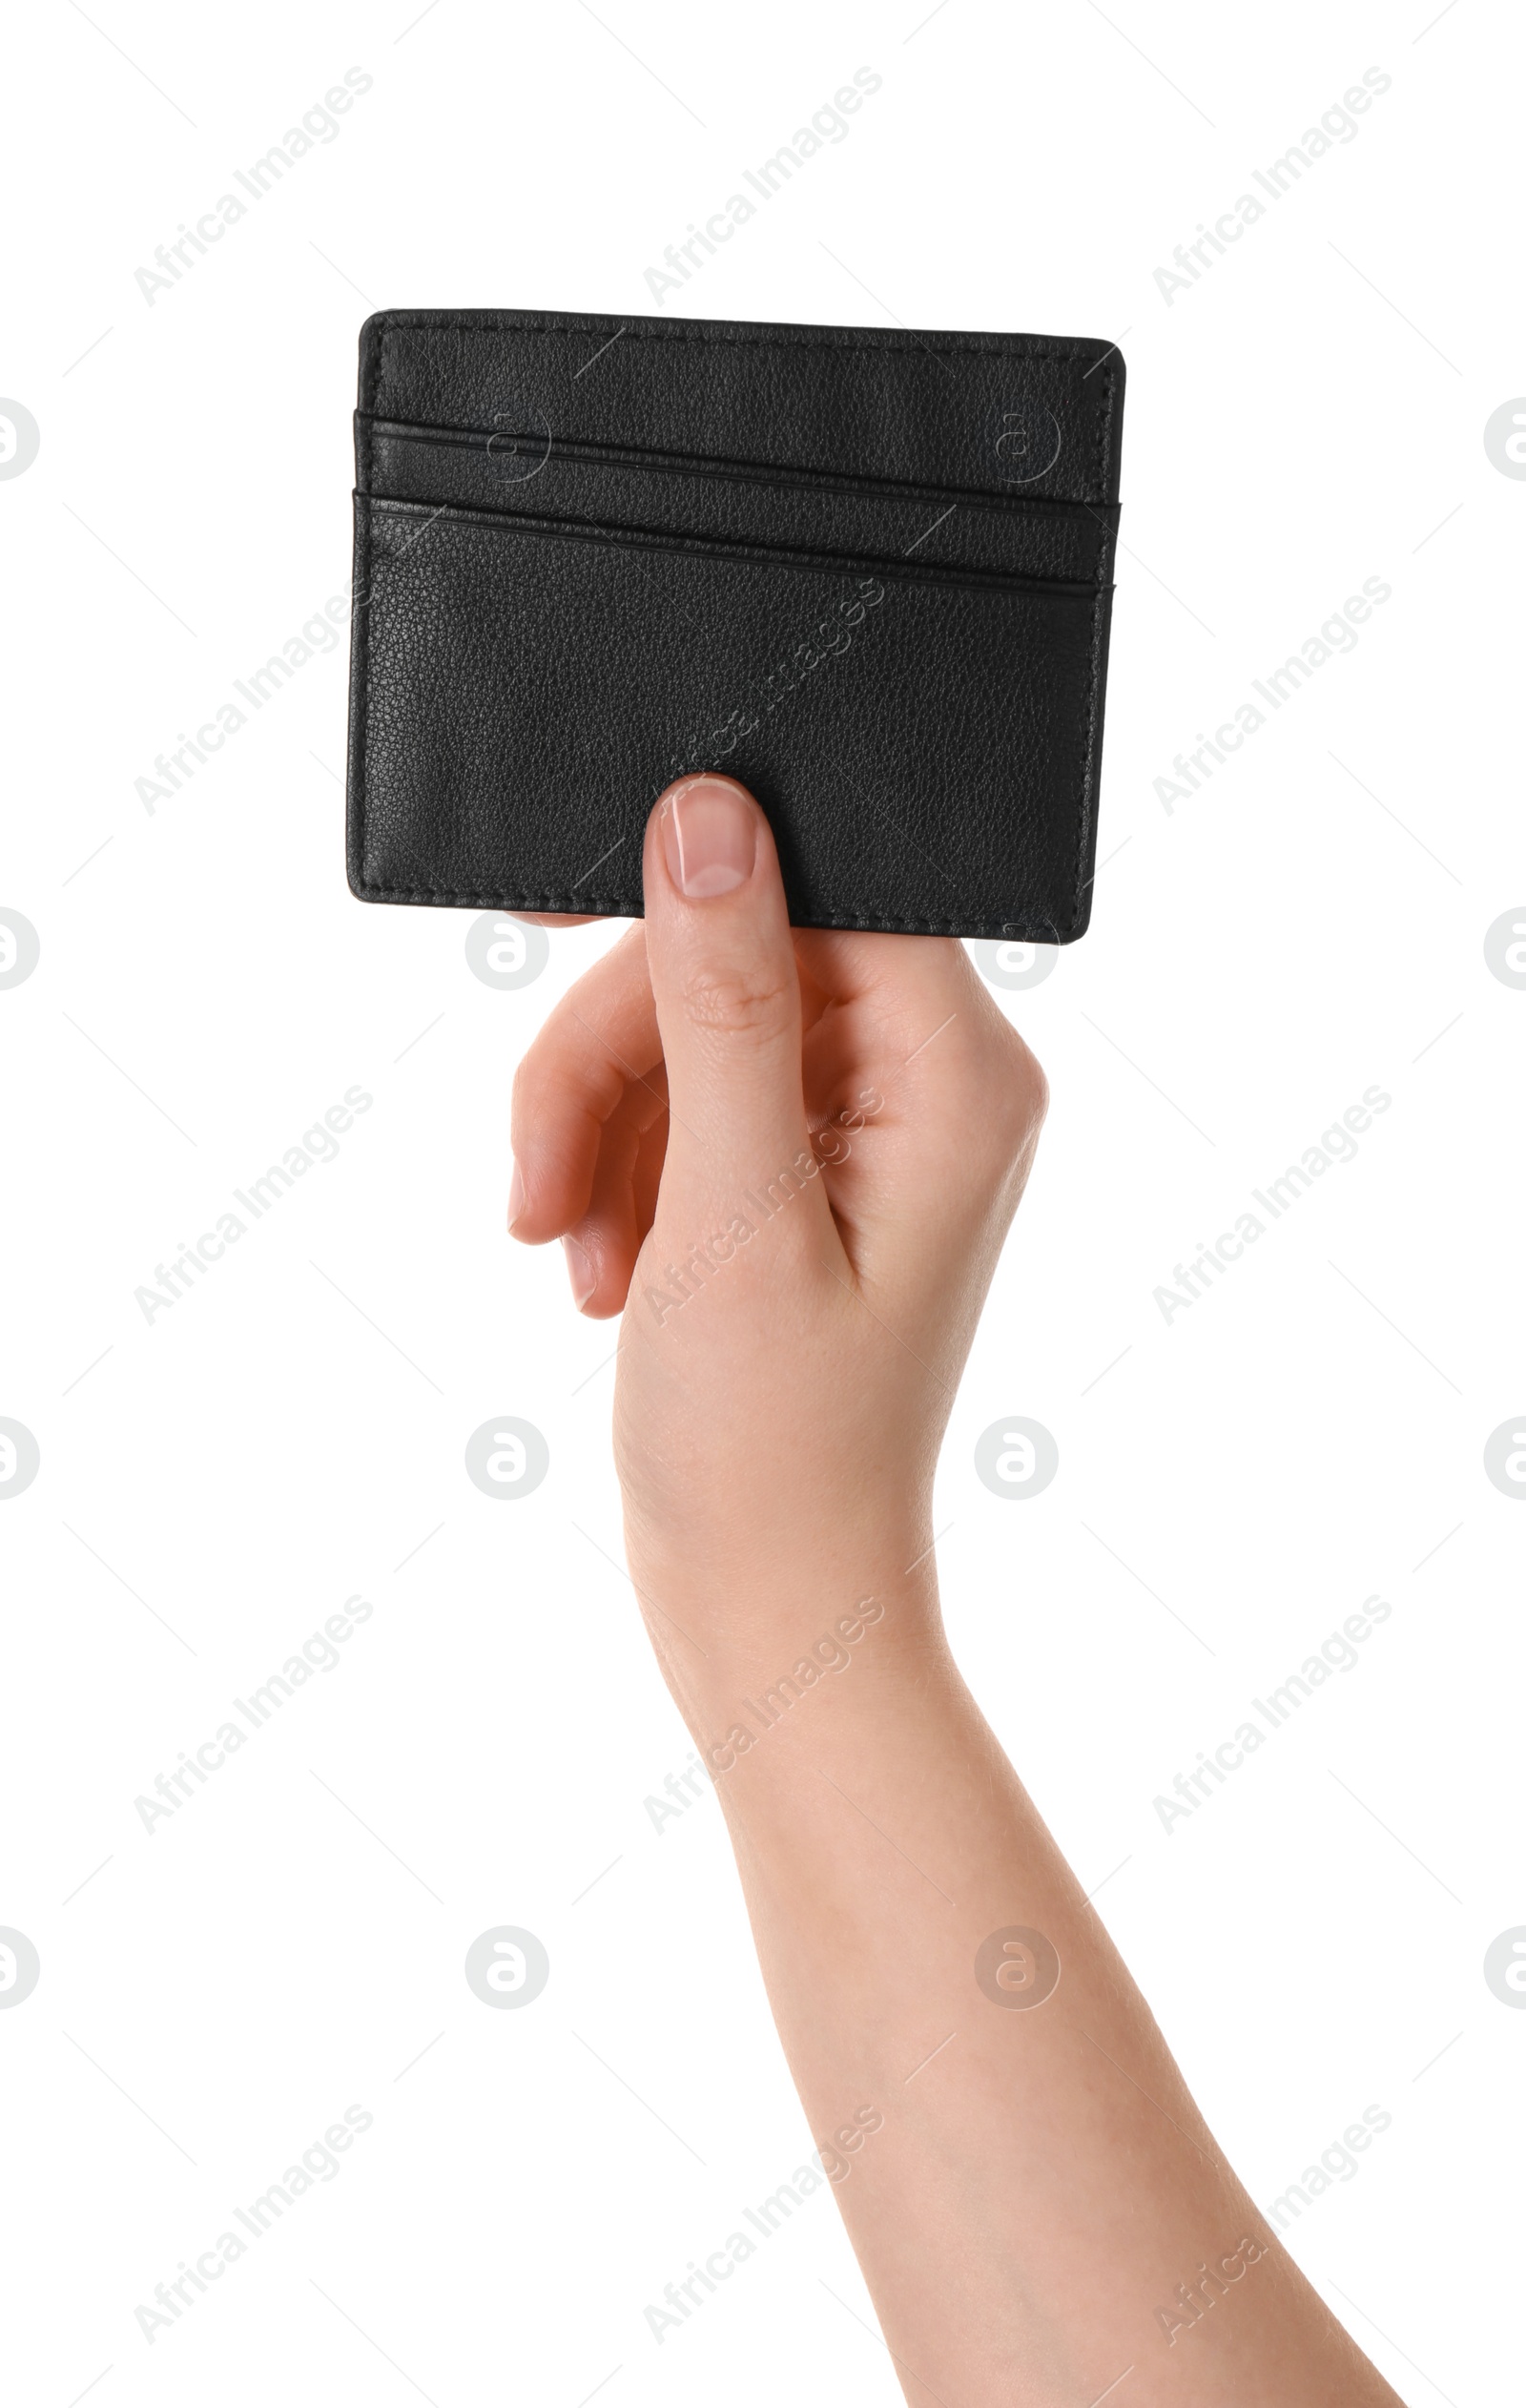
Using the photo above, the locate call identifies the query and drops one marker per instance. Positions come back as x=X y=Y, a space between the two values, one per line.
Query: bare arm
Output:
x=806 y=1238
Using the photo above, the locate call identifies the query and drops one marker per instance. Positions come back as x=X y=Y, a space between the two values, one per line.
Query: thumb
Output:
x=728 y=994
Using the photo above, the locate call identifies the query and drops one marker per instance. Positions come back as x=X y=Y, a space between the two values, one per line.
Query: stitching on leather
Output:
x=360 y=636
x=976 y=346
x=1084 y=814
x=1097 y=477
x=622 y=907
x=1083 y=808
x=970 y=348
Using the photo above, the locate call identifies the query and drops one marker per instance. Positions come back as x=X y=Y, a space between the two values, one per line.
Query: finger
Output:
x=925 y=1101
x=913 y=986
x=726 y=993
x=600 y=1041
x=914 y=1015
x=602 y=1244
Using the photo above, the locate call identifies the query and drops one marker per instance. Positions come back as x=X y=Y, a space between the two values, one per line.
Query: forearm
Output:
x=1040 y=2213
x=1027 y=2182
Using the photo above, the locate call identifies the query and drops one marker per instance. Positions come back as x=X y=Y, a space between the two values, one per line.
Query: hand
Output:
x=792 y=1156
x=793 y=1159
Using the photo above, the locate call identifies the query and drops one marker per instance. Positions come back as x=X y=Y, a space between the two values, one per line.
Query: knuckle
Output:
x=568 y=1063
x=1019 y=1095
x=1036 y=1087
x=740 y=1001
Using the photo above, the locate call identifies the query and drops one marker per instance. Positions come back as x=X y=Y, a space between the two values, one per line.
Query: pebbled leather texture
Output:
x=867 y=573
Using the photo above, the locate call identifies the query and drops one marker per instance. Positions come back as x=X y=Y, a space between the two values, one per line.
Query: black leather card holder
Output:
x=867 y=573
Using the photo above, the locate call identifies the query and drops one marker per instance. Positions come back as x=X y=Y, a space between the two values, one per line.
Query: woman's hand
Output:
x=792 y=1156
x=794 y=1159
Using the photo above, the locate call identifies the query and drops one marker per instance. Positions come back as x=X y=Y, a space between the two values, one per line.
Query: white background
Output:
x=1231 y=1485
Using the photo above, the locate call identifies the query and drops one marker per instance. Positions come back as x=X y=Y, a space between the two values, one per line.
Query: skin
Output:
x=1030 y=2187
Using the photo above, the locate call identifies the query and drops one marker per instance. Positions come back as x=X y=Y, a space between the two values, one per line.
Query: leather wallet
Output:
x=867 y=571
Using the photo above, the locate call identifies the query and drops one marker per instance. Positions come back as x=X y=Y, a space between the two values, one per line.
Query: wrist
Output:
x=749 y=1652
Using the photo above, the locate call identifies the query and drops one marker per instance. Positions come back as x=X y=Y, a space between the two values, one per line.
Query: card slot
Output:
x=937 y=407
x=952 y=536
x=808 y=557
x=1006 y=496
x=924 y=742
